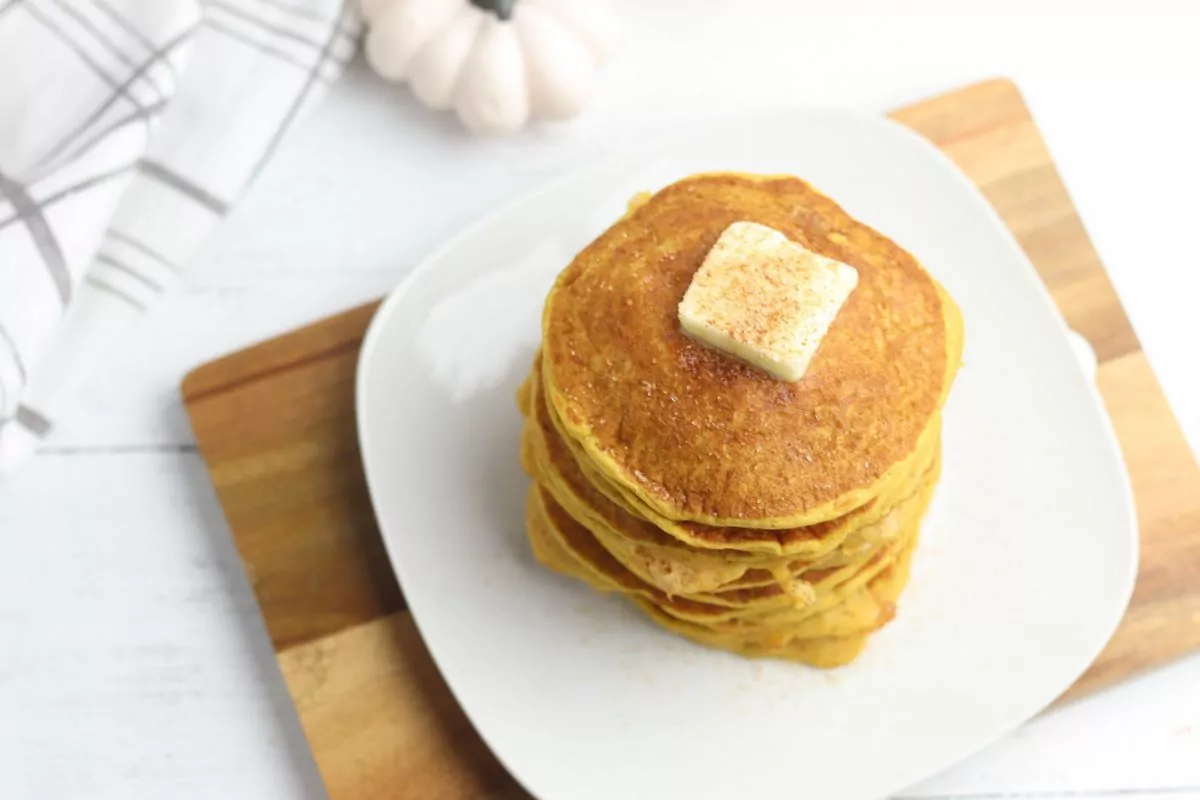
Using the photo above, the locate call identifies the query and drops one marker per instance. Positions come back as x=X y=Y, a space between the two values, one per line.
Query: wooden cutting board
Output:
x=275 y=424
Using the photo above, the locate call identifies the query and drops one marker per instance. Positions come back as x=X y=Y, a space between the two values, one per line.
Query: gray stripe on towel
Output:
x=184 y=186
x=112 y=263
x=105 y=286
x=32 y=421
x=142 y=248
x=43 y=236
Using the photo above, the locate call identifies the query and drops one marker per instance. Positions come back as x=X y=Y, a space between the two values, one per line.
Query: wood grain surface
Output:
x=275 y=424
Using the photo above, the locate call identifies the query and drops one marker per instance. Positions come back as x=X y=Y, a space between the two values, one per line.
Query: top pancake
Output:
x=696 y=434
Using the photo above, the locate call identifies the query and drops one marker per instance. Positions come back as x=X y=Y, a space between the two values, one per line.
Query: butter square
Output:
x=764 y=299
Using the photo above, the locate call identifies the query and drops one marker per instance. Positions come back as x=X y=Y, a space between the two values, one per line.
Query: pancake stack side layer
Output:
x=769 y=518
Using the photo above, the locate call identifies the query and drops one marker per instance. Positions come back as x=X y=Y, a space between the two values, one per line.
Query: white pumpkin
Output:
x=497 y=63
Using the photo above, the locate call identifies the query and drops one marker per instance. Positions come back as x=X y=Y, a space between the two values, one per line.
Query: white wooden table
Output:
x=133 y=661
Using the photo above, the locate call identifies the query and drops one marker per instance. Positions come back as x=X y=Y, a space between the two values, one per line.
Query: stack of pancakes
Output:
x=744 y=512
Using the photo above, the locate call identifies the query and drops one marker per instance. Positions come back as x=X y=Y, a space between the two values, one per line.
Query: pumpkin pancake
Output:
x=698 y=436
x=679 y=571
x=767 y=607
x=869 y=610
x=576 y=485
x=677 y=568
x=831 y=636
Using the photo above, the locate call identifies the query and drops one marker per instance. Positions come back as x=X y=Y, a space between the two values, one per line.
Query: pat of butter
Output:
x=763 y=298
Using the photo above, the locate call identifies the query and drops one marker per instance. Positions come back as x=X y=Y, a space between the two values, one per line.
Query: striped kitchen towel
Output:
x=127 y=130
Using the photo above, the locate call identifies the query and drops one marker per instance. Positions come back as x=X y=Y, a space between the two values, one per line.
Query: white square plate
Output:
x=1026 y=563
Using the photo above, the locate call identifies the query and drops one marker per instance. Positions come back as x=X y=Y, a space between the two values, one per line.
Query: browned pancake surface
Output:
x=703 y=437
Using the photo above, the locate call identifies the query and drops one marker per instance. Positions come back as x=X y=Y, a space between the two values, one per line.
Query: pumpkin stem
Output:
x=501 y=8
